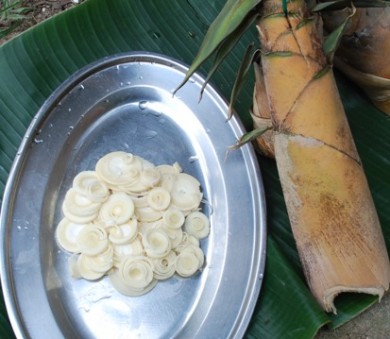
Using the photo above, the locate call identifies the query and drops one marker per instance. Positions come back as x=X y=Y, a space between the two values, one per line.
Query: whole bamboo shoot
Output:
x=363 y=54
x=332 y=214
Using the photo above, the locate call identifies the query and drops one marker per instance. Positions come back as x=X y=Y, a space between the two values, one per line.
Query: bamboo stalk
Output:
x=332 y=214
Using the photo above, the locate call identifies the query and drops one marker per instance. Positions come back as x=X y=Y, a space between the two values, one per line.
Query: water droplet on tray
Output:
x=156 y=114
x=150 y=134
x=143 y=105
x=193 y=158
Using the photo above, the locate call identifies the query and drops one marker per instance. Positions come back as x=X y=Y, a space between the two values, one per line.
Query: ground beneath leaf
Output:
x=28 y=13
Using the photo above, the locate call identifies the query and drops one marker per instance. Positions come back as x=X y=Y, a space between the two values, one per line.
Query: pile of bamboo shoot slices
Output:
x=135 y=222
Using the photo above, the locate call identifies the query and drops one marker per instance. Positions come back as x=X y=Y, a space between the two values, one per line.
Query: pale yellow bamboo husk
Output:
x=364 y=51
x=332 y=214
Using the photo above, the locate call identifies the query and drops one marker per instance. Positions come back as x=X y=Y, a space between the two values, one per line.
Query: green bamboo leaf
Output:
x=248 y=137
x=245 y=66
x=228 y=44
x=332 y=41
x=322 y=72
x=231 y=16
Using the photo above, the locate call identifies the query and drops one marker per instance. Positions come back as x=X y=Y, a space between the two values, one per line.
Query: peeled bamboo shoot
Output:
x=332 y=214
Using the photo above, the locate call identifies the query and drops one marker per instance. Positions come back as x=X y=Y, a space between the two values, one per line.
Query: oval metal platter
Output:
x=126 y=102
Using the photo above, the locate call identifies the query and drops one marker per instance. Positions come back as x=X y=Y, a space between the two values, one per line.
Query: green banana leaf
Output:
x=35 y=63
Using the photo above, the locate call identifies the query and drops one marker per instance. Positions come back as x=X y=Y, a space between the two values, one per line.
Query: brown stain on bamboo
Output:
x=334 y=222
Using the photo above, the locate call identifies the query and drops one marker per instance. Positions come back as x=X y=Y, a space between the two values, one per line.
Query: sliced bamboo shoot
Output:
x=130 y=231
x=164 y=267
x=197 y=224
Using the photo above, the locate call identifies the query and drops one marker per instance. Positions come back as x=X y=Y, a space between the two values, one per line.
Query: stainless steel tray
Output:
x=126 y=102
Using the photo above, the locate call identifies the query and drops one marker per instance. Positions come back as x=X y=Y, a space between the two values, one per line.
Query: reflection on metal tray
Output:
x=126 y=102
